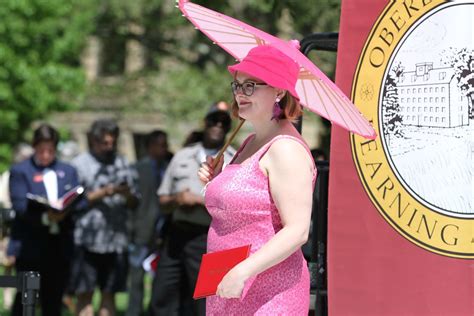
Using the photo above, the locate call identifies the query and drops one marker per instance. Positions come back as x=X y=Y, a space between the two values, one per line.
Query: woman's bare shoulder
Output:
x=289 y=150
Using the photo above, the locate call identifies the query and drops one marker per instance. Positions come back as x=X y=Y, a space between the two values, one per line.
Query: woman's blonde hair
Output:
x=291 y=108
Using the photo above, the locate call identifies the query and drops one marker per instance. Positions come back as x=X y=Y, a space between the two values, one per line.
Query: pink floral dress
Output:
x=243 y=212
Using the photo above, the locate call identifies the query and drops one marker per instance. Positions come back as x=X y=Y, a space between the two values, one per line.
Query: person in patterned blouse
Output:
x=100 y=233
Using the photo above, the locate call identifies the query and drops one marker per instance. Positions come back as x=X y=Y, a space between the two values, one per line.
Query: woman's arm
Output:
x=290 y=172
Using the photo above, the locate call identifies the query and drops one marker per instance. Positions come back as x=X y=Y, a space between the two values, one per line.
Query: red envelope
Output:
x=214 y=266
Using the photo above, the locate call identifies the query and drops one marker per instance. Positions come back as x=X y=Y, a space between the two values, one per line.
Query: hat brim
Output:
x=259 y=72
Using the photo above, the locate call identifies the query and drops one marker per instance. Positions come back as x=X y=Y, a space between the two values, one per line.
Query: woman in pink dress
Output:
x=264 y=196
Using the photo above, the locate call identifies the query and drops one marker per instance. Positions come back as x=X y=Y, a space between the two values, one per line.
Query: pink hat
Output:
x=271 y=66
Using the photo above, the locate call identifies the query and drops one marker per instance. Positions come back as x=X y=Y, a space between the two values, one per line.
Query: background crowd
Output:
x=129 y=214
x=70 y=63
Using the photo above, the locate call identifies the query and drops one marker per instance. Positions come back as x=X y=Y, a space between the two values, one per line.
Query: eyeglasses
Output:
x=247 y=88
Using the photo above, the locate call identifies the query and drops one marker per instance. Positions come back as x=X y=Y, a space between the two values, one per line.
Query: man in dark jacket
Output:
x=42 y=239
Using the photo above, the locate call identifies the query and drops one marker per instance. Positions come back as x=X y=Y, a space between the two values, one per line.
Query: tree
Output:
x=185 y=72
x=392 y=120
x=462 y=60
x=167 y=33
x=39 y=63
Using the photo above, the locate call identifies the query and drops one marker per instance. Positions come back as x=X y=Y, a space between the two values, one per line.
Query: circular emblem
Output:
x=415 y=83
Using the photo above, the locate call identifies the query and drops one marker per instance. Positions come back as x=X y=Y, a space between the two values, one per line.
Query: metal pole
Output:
x=30 y=292
x=319 y=237
x=318 y=264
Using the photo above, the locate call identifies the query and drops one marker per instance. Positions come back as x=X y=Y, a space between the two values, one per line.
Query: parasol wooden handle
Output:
x=229 y=140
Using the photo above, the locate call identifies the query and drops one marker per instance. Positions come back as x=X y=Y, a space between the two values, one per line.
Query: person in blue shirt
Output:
x=41 y=240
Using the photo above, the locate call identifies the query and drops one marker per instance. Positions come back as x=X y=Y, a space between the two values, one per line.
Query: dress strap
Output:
x=242 y=147
x=262 y=151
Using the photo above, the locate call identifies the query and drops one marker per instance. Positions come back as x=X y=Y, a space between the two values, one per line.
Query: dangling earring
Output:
x=276 y=110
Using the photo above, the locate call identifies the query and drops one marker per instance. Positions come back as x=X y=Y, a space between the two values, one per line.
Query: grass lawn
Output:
x=121 y=300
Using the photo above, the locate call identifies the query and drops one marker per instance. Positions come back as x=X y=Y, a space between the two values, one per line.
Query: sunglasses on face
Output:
x=225 y=123
x=247 y=88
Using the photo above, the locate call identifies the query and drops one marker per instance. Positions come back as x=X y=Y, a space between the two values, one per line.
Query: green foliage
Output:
x=185 y=72
x=193 y=89
x=179 y=90
x=164 y=32
x=39 y=62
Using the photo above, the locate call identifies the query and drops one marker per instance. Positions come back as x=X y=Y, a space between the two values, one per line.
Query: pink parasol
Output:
x=316 y=91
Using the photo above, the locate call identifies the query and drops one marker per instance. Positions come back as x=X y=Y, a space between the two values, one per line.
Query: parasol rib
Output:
x=335 y=106
x=354 y=111
x=344 y=108
x=323 y=103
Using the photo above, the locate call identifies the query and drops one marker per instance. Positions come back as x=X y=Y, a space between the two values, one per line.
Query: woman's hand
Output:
x=232 y=284
x=206 y=173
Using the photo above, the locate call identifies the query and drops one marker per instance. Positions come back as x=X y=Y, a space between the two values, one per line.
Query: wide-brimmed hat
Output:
x=271 y=66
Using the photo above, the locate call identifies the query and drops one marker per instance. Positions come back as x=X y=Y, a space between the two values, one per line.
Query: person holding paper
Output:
x=41 y=239
x=264 y=196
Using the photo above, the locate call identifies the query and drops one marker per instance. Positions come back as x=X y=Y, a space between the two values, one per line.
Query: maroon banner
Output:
x=394 y=248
